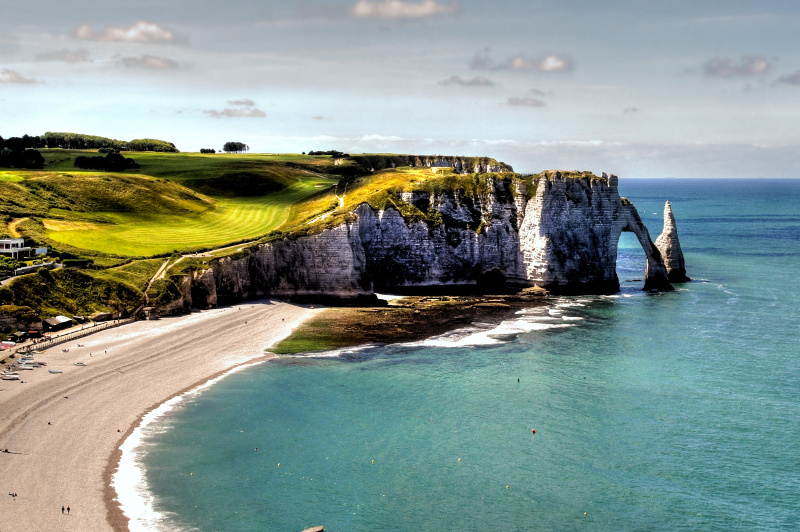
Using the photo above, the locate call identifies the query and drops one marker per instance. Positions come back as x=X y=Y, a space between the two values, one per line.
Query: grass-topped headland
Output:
x=123 y=225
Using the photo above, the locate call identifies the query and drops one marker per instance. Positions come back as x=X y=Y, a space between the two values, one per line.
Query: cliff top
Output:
x=571 y=174
x=385 y=189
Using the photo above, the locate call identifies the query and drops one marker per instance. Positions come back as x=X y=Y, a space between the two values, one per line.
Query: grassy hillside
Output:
x=127 y=223
x=174 y=202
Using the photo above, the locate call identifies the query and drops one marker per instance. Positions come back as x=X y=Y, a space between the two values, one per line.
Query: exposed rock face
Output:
x=570 y=235
x=381 y=251
x=670 y=248
x=564 y=239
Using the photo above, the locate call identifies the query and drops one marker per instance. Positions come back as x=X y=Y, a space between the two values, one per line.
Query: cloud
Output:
x=399 y=10
x=382 y=138
x=245 y=109
x=66 y=56
x=791 y=79
x=525 y=102
x=9 y=76
x=628 y=110
x=148 y=61
x=539 y=92
x=477 y=81
x=749 y=65
x=548 y=63
x=138 y=32
x=318 y=117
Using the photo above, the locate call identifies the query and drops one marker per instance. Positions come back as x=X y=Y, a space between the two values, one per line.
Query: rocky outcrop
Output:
x=570 y=235
x=670 y=248
x=563 y=239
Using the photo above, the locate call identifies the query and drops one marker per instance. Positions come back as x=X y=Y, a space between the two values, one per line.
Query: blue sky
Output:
x=641 y=89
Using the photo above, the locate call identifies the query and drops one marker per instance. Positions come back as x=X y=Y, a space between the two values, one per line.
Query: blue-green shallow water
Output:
x=670 y=412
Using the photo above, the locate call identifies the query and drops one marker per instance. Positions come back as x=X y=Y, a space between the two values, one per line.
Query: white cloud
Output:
x=629 y=110
x=791 y=79
x=548 y=63
x=477 y=81
x=10 y=76
x=749 y=65
x=138 y=32
x=245 y=109
x=148 y=61
x=66 y=56
x=525 y=102
x=398 y=10
x=383 y=138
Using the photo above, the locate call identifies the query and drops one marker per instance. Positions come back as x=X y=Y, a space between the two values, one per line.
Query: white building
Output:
x=16 y=248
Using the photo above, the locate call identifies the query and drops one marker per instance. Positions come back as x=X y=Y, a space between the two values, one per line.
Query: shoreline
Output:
x=69 y=427
x=115 y=515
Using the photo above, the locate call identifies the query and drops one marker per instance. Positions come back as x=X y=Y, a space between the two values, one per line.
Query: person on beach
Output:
x=62 y=509
x=67 y=510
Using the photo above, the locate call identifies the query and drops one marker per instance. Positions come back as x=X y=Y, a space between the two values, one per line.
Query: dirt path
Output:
x=12 y=227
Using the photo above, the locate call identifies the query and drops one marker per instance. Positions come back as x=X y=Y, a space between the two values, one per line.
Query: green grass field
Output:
x=174 y=202
x=229 y=220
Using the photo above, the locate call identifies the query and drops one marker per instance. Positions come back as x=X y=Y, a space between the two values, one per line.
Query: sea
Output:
x=669 y=411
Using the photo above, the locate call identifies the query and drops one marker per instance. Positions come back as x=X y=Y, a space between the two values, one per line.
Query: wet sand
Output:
x=91 y=409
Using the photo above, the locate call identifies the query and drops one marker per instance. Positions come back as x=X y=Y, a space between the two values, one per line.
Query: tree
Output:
x=235 y=147
x=208 y=150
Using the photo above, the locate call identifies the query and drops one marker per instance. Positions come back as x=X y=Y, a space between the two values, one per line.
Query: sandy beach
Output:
x=64 y=430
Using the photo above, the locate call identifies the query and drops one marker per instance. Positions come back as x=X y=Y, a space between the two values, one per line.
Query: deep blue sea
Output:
x=678 y=411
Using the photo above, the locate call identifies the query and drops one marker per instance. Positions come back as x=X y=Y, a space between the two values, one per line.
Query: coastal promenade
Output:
x=63 y=430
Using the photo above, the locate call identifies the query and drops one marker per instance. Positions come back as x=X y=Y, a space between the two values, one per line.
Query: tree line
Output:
x=235 y=147
x=332 y=153
x=14 y=154
x=79 y=141
x=113 y=162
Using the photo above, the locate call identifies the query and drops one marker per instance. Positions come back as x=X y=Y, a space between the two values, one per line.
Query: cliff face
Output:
x=381 y=251
x=571 y=233
x=564 y=238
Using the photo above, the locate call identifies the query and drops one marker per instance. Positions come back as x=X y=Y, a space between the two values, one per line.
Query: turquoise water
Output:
x=669 y=412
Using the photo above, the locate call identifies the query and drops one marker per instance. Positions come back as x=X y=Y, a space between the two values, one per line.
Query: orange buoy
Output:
x=533 y=431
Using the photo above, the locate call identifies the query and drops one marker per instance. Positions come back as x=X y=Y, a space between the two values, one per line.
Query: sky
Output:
x=633 y=87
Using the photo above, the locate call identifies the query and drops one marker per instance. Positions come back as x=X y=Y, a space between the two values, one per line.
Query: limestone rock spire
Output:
x=670 y=248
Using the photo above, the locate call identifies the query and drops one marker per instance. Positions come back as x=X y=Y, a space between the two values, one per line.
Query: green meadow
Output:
x=173 y=203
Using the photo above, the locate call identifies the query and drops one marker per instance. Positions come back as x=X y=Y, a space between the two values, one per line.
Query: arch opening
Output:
x=631 y=263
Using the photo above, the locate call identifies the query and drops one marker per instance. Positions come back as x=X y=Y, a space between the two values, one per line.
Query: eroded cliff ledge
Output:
x=558 y=231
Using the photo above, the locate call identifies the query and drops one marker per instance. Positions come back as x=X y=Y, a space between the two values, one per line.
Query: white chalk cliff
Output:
x=563 y=236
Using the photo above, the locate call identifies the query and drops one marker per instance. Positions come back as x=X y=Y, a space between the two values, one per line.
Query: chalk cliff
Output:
x=562 y=235
x=570 y=235
x=670 y=248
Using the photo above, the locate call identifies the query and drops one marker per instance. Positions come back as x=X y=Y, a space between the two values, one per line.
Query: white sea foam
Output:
x=335 y=353
x=133 y=493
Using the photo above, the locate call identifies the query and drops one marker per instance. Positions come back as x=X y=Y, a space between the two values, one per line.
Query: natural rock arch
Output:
x=570 y=235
